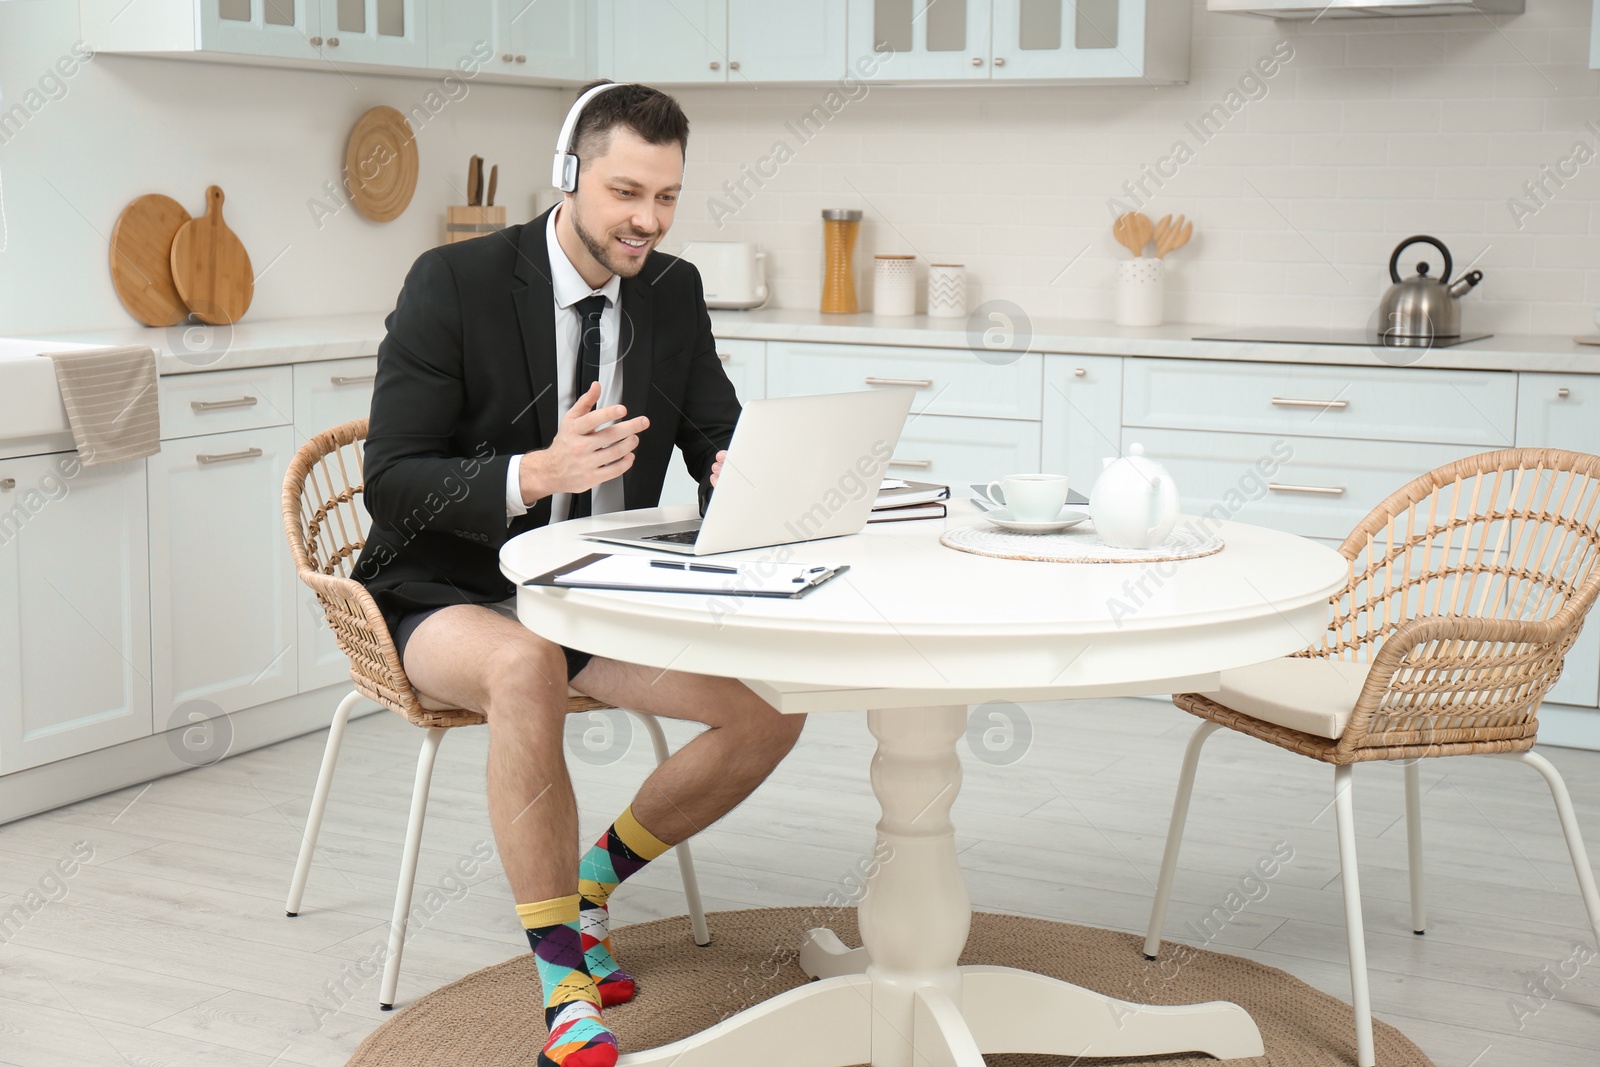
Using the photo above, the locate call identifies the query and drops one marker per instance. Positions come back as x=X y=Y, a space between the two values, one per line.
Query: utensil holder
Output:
x=894 y=285
x=1141 y=291
x=463 y=222
x=947 y=291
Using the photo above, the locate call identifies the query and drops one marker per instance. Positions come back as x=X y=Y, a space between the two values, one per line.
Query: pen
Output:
x=713 y=568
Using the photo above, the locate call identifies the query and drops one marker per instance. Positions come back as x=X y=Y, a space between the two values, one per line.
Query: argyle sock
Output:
x=621 y=851
x=571 y=1003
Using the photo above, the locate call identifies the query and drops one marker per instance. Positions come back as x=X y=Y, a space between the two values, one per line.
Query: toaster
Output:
x=733 y=273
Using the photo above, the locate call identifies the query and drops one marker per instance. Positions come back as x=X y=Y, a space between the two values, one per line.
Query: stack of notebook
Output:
x=899 y=500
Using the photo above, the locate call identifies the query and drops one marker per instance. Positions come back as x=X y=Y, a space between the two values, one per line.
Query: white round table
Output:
x=914 y=633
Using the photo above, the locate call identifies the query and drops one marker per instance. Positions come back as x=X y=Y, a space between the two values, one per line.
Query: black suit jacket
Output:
x=467 y=378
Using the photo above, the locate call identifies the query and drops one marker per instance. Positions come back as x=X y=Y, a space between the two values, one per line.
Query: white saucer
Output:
x=1068 y=518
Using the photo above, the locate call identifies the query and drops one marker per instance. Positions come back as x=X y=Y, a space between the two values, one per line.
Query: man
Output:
x=482 y=428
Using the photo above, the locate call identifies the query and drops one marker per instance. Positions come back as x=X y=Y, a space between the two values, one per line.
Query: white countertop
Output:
x=264 y=342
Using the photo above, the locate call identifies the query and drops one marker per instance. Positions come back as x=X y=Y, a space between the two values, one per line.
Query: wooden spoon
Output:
x=1176 y=238
x=1142 y=230
x=1123 y=229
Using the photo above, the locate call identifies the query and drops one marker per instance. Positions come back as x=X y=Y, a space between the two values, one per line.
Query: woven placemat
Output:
x=494 y=1018
x=1080 y=544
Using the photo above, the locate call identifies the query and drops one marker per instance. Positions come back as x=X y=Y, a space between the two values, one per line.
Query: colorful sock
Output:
x=571 y=1003
x=621 y=851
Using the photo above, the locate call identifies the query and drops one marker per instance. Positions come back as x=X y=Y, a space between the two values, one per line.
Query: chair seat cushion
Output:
x=1311 y=694
x=427 y=703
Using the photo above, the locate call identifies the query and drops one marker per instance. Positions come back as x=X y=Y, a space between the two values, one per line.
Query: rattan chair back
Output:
x=1467 y=587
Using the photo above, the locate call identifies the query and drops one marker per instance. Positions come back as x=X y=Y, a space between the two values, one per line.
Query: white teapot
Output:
x=1134 y=502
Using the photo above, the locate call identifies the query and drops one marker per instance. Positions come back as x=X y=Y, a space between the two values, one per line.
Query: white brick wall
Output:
x=1375 y=130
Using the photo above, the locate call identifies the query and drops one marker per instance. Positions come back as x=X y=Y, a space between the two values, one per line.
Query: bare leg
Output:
x=708 y=777
x=475 y=658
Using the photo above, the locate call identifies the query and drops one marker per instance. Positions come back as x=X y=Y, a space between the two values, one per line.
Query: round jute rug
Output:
x=492 y=1018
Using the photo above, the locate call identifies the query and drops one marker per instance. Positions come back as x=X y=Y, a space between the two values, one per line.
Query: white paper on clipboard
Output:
x=749 y=578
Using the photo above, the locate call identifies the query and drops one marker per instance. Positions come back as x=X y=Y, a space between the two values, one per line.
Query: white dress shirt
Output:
x=569 y=288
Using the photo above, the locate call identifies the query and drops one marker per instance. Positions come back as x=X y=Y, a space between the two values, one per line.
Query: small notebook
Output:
x=601 y=570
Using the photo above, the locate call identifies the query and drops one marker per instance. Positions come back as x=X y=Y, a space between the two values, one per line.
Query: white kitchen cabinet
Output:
x=223 y=591
x=1563 y=411
x=948 y=381
x=544 y=40
x=770 y=42
x=74 y=608
x=685 y=41
x=326 y=394
x=321 y=32
x=1082 y=416
x=1145 y=41
x=745 y=363
x=958 y=452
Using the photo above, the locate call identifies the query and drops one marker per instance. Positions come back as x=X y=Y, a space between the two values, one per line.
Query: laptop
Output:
x=799 y=468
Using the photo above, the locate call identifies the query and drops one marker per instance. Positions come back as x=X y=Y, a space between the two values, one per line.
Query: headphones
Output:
x=564 y=172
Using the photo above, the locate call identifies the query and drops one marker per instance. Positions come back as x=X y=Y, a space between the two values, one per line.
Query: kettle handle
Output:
x=1421 y=238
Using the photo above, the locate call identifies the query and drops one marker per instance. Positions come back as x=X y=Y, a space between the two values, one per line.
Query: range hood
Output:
x=1351 y=9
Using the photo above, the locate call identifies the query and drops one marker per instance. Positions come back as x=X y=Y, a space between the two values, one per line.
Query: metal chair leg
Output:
x=319 y=802
x=691 y=884
x=1419 y=909
x=408 y=865
x=1169 y=858
x=1569 y=829
x=1355 y=931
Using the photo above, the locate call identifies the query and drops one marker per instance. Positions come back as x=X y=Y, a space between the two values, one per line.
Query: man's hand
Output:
x=585 y=451
x=716 y=466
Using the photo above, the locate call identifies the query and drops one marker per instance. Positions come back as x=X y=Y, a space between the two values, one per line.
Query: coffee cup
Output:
x=1030 y=497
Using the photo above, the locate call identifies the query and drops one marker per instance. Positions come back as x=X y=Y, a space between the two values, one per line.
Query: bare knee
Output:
x=525 y=676
x=770 y=732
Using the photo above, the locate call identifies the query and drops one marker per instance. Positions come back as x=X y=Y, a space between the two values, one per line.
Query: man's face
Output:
x=625 y=200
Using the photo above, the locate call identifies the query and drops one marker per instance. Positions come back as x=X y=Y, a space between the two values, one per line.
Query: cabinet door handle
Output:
x=8 y=483
x=522 y=59
x=1563 y=392
x=911 y=463
x=212 y=405
x=506 y=57
x=1079 y=372
x=351 y=379
x=316 y=42
x=977 y=61
x=1326 y=405
x=715 y=65
x=1325 y=490
x=223 y=457
x=999 y=61
x=725 y=357
x=333 y=42
x=920 y=383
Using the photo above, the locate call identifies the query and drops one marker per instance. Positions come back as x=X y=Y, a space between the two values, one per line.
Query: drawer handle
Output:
x=911 y=463
x=212 y=405
x=1333 y=405
x=1563 y=392
x=724 y=356
x=351 y=379
x=920 y=383
x=223 y=457
x=1079 y=372
x=1326 y=490
x=8 y=483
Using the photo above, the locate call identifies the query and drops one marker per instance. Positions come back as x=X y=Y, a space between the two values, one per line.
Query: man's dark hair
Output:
x=650 y=113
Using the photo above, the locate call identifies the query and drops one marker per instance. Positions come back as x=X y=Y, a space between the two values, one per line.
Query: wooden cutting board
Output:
x=141 y=259
x=211 y=268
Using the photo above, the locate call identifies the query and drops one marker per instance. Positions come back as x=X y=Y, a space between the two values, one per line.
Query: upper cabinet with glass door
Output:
x=722 y=41
x=1015 y=40
x=382 y=32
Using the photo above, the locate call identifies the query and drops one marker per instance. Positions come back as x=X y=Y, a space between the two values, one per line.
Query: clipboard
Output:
x=647 y=574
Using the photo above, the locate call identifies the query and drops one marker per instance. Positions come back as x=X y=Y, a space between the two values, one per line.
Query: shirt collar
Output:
x=568 y=283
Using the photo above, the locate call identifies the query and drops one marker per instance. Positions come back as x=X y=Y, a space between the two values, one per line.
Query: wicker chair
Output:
x=1467 y=587
x=326 y=525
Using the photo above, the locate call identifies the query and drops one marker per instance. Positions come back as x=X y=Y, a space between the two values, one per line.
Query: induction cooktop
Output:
x=1313 y=335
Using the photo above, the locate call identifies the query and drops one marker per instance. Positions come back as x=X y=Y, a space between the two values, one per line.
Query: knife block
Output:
x=463 y=222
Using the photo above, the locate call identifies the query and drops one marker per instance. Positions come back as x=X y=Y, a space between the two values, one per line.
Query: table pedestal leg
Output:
x=901 y=1000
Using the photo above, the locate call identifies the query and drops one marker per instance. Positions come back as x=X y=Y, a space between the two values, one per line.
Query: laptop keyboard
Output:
x=682 y=537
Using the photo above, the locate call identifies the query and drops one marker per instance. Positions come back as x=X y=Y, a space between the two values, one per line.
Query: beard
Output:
x=604 y=254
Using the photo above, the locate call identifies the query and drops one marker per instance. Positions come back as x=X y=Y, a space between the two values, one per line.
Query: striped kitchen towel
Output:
x=110 y=395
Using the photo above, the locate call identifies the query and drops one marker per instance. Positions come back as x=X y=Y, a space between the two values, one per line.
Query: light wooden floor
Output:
x=171 y=947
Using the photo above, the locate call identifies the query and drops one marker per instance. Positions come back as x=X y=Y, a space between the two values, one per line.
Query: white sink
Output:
x=30 y=402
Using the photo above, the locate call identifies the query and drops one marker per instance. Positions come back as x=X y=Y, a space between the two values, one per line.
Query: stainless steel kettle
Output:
x=1421 y=307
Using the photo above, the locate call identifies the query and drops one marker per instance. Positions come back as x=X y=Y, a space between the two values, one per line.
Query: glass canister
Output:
x=840 y=226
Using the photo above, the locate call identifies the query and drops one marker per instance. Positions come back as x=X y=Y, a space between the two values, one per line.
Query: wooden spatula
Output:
x=211 y=268
x=1176 y=237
